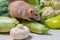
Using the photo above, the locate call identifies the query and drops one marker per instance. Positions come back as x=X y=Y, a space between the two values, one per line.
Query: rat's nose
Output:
x=37 y=19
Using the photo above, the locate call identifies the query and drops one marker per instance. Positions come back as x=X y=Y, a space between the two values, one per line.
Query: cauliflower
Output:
x=56 y=0
x=46 y=2
x=56 y=5
x=57 y=12
x=48 y=12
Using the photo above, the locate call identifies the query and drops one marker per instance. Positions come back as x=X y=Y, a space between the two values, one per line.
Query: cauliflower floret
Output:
x=48 y=12
x=56 y=5
x=56 y=0
x=57 y=12
x=46 y=2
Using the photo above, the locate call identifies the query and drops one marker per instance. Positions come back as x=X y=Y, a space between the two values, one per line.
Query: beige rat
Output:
x=20 y=9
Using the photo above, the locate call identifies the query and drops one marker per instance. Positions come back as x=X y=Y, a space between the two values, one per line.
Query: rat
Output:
x=17 y=0
x=21 y=9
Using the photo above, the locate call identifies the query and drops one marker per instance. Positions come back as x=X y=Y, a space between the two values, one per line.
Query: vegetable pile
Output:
x=51 y=8
x=49 y=11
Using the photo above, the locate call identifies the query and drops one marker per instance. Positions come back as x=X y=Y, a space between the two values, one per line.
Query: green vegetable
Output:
x=1 y=0
x=43 y=18
x=38 y=3
x=4 y=8
x=50 y=3
x=7 y=23
x=41 y=5
x=32 y=2
x=53 y=22
x=35 y=27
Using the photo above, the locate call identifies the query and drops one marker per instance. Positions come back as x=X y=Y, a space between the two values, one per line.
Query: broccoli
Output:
x=4 y=8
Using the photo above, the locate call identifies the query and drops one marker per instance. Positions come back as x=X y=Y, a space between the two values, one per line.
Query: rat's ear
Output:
x=30 y=11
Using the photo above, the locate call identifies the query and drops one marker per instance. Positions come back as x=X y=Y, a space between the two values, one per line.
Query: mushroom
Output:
x=19 y=32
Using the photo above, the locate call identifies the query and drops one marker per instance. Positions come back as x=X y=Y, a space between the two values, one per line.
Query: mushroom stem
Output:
x=20 y=26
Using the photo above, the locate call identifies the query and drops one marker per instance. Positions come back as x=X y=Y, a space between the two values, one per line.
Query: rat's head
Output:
x=34 y=14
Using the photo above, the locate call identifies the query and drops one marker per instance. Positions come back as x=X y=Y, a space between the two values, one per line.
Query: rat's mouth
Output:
x=32 y=19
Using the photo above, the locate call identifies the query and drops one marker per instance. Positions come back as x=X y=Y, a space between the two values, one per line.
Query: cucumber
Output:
x=7 y=23
x=35 y=27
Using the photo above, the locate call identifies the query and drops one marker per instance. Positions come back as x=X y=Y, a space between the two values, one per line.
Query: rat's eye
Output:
x=35 y=14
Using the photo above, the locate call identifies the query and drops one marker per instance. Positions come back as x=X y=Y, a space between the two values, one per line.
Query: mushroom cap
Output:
x=19 y=33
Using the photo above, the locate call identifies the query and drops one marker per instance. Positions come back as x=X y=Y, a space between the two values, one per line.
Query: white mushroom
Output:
x=19 y=32
x=48 y=11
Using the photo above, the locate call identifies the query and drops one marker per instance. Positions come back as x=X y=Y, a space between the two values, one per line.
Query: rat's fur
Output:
x=16 y=0
x=20 y=9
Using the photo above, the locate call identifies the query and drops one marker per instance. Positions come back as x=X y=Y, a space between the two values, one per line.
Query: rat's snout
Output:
x=37 y=18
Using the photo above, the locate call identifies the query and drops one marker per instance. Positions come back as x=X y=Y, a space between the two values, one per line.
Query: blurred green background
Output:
x=32 y=2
